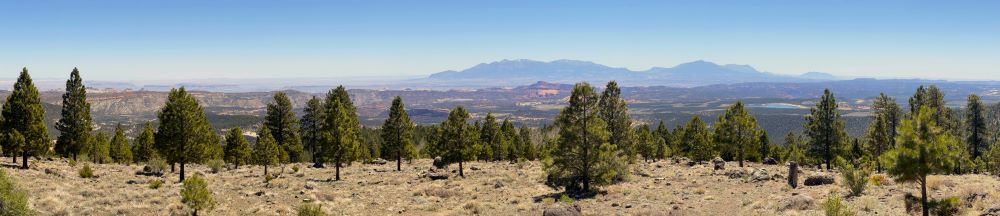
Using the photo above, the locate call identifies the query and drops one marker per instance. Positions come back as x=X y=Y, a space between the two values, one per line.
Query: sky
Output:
x=179 y=39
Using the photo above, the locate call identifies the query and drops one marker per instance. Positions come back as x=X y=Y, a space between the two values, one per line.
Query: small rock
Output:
x=437 y=176
x=54 y=172
x=818 y=180
x=614 y=204
x=439 y=163
x=259 y=193
x=132 y=182
x=797 y=202
x=310 y=185
x=760 y=175
x=562 y=209
x=474 y=168
x=770 y=161
x=736 y=173
x=498 y=184
x=718 y=163
x=379 y=161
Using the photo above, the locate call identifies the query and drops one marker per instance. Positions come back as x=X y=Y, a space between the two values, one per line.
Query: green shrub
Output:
x=216 y=165
x=295 y=168
x=13 y=200
x=72 y=163
x=565 y=199
x=268 y=178
x=834 y=206
x=311 y=209
x=155 y=184
x=157 y=165
x=855 y=179
x=196 y=195
x=86 y=172
x=945 y=207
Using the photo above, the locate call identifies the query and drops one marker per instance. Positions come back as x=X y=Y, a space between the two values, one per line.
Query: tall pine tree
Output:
x=237 y=151
x=922 y=150
x=736 y=132
x=825 y=129
x=184 y=135
x=340 y=128
x=457 y=138
x=310 y=128
x=696 y=141
x=266 y=151
x=121 y=151
x=489 y=136
x=24 y=117
x=582 y=156
x=614 y=112
x=143 y=147
x=975 y=127
x=75 y=125
x=397 y=133
x=281 y=120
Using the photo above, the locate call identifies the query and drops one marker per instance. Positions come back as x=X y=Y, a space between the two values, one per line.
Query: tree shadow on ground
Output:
x=576 y=195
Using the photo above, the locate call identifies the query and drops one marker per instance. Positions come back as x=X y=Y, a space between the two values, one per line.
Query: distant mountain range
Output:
x=696 y=73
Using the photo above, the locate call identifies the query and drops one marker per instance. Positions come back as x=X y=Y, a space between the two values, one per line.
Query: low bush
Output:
x=86 y=171
x=216 y=165
x=834 y=206
x=155 y=184
x=13 y=200
x=196 y=195
x=565 y=199
x=157 y=165
x=311 y=209
x=855 y=179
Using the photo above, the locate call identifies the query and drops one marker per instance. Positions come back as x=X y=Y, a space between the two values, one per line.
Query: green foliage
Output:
x=144 y=148
x=23 y=113
x=86 y=171
x=834 y=206
x=881 y=132
x=75 y=125
x=397 y=133
x=946 y=207
x=490 y=139
x=120 y=150
x=13 y=199
x=922 y=149
x=582 y=156
x=155 y=184
x=793 y=149
x=645 y=142
x=215 y=165
x=457 y=138
x=696 y=141
x=99 y=149
x=184 y=135
x=309 y=127
x=237 y=151
x=311 y=209
x=855 y=177
x=825 y=129
x=157 y=164
x=614 y=113
x=196 y=195
x=266 y=150
x=975 y=127
x=340 y=128
x=284 y=126
x=566 y=199
x=736 y=133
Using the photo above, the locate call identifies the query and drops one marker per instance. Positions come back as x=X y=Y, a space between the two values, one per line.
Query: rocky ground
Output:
x=656 y=188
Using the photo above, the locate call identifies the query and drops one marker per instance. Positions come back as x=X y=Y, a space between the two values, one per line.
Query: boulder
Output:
x=562 y=209
x=760 y=175
x=737 y=173
x=439 y=163
x=796 y=202
x=438 y=175
x=718 y=163
x=149 y=171
x=819 y=180
x=770 y=161
x=379 y=161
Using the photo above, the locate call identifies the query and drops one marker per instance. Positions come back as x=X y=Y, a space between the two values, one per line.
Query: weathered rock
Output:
x=562 y=209
x=992 y=211
x=760 y=175
x=736 y=173
x=438 y=175
x=149 y=171
x=718 y=163
x=439 y=163
x=379 y=161
x=796 y=202
x=818 y=180
x=474 y=168
x=770 y=161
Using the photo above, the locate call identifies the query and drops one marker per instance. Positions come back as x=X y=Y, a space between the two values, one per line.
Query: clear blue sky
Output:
x=122 y=40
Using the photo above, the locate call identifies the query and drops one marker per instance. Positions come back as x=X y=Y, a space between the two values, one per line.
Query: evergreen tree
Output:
x=23 y=113
x=645 y=142
x=527 y=145
x=310 y=128
x=237 y=151
x=793 y=149
x=100 y=149
x=511 y=140
x=457 y=138
x=665 y=140
x=144 y=148
x=582 y=156
x=614 y=113
x=975 y=127
x=696 y=142
x=922 y=150
x=825 y=129
x=184 y=135
x=879 y=140
x=489 y=136
x=736 y=132
x=340 y=129
x=75 y=125
x=266 y=151
x=121 y=151
x=397 y=133
x=765 y=144
x=887 y=107
x=281 y=120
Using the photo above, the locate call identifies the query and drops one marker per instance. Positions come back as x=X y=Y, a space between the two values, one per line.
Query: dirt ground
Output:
x=656 y=188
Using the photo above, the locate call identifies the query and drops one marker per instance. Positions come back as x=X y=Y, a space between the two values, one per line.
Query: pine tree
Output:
x=397 y=133
x=665 y=140
x=266 y=151
x=696 y=141
x=887 y=107
x=237 y=151
x=100 y=149
x=582 y=155
x=281 y=120
x=489 y=136
x=825 y=129
x=765 y=144
x=646 y=143
x=144 y=148
x=512 y=141
x=340 y=129
x=75 y=125
x=793 y=149
x=527 y=145
x=736 y=132
x=457 y=138
x=310 y=128
x=879 y=140
x=121 y=151
x=922 y=150
x=614 y=112
x=23 y=113
x=184 y=135
x=975 y=127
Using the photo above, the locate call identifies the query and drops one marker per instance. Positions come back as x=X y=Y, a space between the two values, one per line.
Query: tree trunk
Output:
x=74 y=156
x=24 y=159
x=195 y=213
x=182 y=171
x=171 y=167
x=923 y=197
x=265 y=170
x=740 y=158
x=14 y=156
x=338 y=171
x=460 y=169
x=399 y=161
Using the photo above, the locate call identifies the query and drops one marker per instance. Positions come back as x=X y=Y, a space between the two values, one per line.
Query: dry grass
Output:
x=493 y=189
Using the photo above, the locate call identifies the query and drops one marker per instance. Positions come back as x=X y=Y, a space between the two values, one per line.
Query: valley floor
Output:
x=656 y=188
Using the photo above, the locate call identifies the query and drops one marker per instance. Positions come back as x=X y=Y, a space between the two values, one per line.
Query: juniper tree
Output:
x=23 y=113
x=975 y=127
x=99 y=149
x=266 y=151
x=184 y=134
x=75 y=125
x=397 y=133
x=922 y=150
x=825 y=129
x=121 y=151
x=614 y=113
x=340 y=129
x=582 y=155
x=736 y=132
x=281 y=120
x=143 y=148
x=309 y=127
x=457 y=138
x=237 y=151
